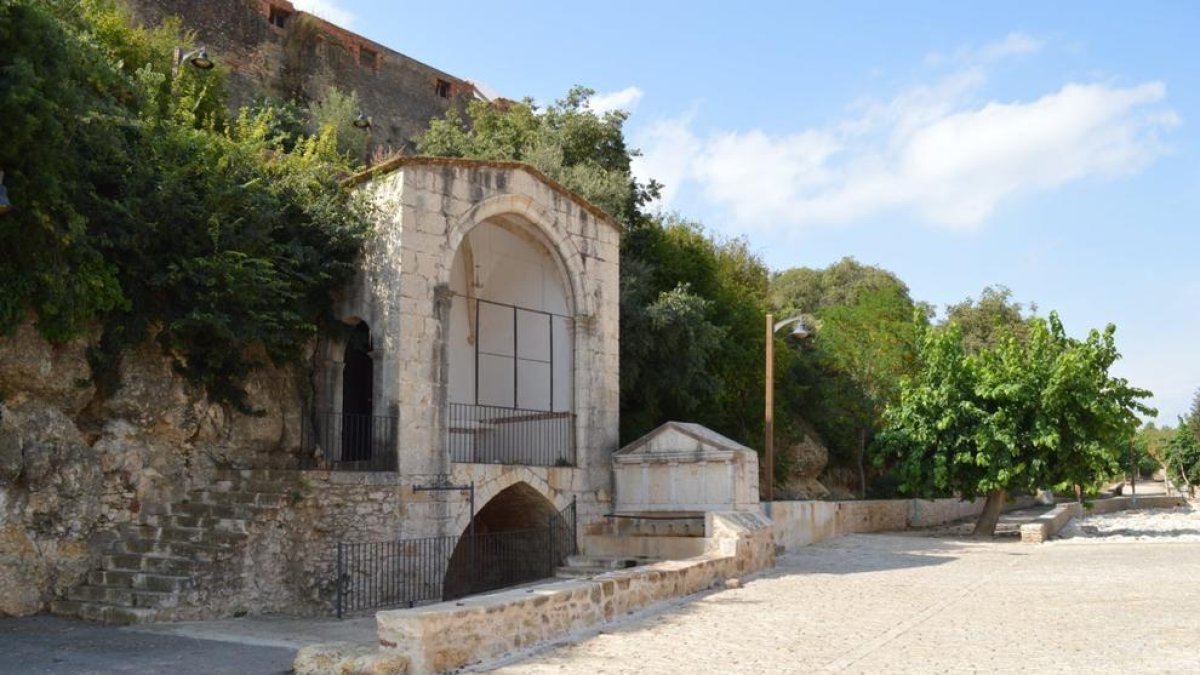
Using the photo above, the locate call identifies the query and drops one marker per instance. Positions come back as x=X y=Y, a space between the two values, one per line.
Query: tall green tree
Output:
x=1181 y=455
x=144 y=210
x=1019 y=416
x=989 y=321
x=864 y=330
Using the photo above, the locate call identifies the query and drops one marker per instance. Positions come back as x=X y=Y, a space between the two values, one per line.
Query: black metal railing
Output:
x=408 y=572
x=484 y=434
x=348 y=442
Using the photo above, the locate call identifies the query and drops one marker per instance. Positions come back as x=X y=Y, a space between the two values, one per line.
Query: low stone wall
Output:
x=450 y=635
x=1050 y=523
x=807 y=522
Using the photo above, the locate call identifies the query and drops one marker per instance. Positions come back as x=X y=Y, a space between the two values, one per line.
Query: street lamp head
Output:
x=799 y=330
x=199 y=59
x=362 y=121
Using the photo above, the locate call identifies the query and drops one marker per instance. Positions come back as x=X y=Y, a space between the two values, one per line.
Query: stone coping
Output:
x=466 y=163
x=448 y=635
x=1053 y=521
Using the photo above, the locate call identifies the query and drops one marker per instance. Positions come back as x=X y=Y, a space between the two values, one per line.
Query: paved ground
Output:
x=264 y=645
x=919 y=604
x=1120 y=596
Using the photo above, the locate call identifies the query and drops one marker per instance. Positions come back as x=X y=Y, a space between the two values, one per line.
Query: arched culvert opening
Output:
x=519 y=537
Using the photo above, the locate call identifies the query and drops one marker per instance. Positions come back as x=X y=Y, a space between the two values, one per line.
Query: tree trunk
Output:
x=992 y=508
x=862 y=472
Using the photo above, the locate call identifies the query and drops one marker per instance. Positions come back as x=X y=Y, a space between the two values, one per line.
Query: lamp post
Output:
x=197 y=58
x=769 y=414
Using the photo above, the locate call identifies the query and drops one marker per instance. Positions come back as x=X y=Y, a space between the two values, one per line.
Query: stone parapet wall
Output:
x=808 y=522
x=445 y=636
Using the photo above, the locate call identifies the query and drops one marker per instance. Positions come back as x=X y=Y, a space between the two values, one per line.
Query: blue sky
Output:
x=1048 y=147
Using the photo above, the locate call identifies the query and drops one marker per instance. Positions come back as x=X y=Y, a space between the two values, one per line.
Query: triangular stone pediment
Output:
x=680 y=442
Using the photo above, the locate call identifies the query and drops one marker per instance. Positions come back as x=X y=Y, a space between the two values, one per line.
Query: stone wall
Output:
x=802 y=523
x=74 y=464
x=427 y=206
x=307 y=55
x=445 y=636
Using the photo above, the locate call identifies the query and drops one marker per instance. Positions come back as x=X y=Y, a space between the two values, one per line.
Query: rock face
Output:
x=75 y=465
x=807 y=459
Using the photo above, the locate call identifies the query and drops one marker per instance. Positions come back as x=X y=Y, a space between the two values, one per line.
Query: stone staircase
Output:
x=164 y=565
x=632 y=540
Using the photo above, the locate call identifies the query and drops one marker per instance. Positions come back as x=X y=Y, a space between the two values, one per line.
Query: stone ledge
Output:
x=449 y=635
x=1050 y=523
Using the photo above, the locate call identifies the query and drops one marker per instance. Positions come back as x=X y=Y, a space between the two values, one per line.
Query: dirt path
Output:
x=919 y=604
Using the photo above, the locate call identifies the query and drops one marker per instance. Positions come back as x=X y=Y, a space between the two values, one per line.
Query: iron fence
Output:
x=484 y=434
x=348 y=442
x=408 y=572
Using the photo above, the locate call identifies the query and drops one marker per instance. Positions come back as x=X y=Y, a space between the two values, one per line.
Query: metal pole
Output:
x=769 y=413
x=340 y=576
x=1132 y=470
x=471 y=530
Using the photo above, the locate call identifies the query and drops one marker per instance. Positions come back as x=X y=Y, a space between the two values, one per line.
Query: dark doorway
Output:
x=358 y=393
x=519 y=537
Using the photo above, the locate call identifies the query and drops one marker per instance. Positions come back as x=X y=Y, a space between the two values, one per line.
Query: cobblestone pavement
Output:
x=921 y=604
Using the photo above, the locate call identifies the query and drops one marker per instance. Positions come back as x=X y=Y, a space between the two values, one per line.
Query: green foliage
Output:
x=1016 y=417
x=566 y=141
x=692 y=315
x=1181 y=454
x=988 y=322
x=142 y=208
x=864 y=329
x=334 y=114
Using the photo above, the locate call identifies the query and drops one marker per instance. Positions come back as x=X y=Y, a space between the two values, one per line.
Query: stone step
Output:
x=123 y=597
x=198 y=552
x=140 y=581
x=234 y=498
x=607 y=562
x=194 y=528
x=657 y=548
x=227 y=511
x=224 y=534
x=136 y=562
x=282 y=477
x=573 y=572
x=101 y=613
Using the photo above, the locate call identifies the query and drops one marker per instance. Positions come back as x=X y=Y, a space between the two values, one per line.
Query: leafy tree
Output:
x=334 y=114
x=566 y=141
x=1016 y=417
x=1181 y=454
x=989 y=321
x=141 y=208
x=864 y=326
x=1193 y=417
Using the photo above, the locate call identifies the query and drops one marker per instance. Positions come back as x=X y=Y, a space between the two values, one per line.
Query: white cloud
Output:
x=936 y=150
x=330 y=10
x=625 y=99
x=1013 y=44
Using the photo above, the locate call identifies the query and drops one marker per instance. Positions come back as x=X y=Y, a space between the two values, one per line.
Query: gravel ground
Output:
x=924 y=604
x=1178 y=524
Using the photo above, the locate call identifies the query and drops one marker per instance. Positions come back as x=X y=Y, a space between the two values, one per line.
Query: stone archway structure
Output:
x=427 y=208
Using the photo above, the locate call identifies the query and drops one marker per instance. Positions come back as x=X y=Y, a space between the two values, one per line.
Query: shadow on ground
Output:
x=48 y=645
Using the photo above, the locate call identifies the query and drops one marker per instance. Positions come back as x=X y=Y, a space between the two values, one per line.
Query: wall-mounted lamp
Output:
x=198 y=59
x=5 y=205
x=362 y=121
